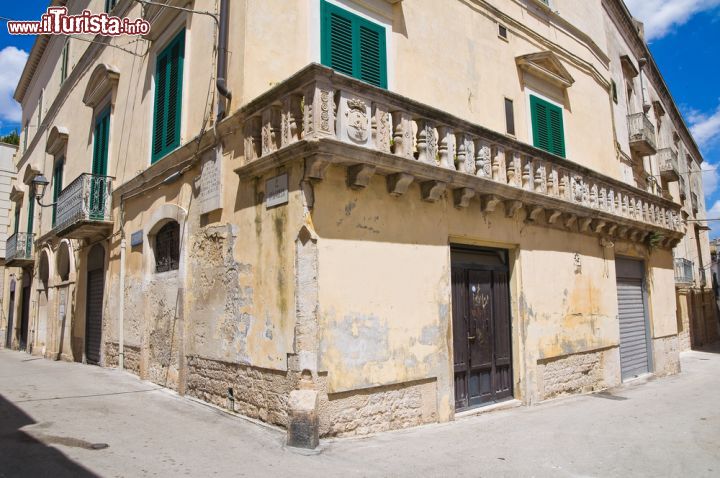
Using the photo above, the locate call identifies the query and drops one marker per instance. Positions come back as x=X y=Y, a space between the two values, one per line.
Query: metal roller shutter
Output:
x=633 y=325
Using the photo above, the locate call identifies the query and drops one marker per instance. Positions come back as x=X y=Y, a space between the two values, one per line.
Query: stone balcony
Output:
x=684 y=272
x=19 y=249
x=642 y=134
x=84 y=208
x=328 y=118
x=668 y=162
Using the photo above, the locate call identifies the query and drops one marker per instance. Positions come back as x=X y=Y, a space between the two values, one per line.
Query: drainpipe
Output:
x=221 y=82
x=121 y=318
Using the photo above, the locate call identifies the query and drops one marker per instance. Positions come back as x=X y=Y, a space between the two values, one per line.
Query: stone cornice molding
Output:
x=546 y=66
x=103 y=81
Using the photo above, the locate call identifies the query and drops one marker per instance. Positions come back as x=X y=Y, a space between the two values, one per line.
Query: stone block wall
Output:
x=577 y=373
x=360 y=412
x=666 y=358
x=132 y=357
x=258 y=393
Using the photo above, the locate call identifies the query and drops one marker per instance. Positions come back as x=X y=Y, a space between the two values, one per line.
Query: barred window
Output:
x=167 y=247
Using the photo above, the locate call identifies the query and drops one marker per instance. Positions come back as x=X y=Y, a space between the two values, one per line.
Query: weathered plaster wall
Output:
x=373 y=248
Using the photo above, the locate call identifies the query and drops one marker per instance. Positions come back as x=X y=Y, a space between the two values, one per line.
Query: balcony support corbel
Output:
x=399 y=183
x=431 y=191
x=570 y=220
x=554 y=216
x=598 y=226
x=511 y=207
x=489 y=202
x=622 y=232
x=612 y=229
x=315 y=166
x=359 y=175
x=462 y=197
x=585 y=224
x=534 y=213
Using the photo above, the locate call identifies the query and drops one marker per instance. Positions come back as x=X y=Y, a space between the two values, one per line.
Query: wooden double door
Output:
x=481 y=327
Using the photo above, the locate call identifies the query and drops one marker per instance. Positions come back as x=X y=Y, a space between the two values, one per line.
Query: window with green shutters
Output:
x=18 y=206
x=547 y=126
x=100 y=145
x=353 y=45
x=57 y=185
x=64 y=62
x=30 y=224
x=168 y=97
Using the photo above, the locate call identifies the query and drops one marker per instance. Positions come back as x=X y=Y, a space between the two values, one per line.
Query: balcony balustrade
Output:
x=642 y=134
x=19 y=249
x=684 y=271
x=668 y=162
x=329 y=118
x=84 y=208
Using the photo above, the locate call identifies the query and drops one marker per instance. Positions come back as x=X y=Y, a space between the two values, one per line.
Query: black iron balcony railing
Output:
x=667 y=159
x=642 y=134
x=19 y=248
x=83 y=205
x=684 y=271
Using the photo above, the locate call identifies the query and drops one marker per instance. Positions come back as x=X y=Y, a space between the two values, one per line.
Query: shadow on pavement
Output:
x=24 y=455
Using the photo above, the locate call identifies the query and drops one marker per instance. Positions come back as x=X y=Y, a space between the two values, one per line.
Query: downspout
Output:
x=121 y=300
x=221 y=82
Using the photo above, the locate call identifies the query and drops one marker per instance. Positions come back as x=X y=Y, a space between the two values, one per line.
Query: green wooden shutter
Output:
x=547 y=126
x=31 y=213
x=101 y=145
x=353 y=45
x=57 y=186
x=17 y=217
x=168 y=97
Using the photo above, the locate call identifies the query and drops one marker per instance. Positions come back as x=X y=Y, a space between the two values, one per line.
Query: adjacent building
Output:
x=370 y=213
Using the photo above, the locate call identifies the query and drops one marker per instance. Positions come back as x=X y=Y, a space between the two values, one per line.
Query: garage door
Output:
x=93 y=330
x=634 y=358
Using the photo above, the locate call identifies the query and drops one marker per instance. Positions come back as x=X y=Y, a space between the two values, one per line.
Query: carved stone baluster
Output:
x=271 y=118
x=527 y=173
x=465 y=153
x=625 y=206
x=445 y=152
x=611 y=201
x=552 y=180
x=602 y=199
x=381 y=127
x=483 y=166
x=402 y=134
x=291 y=124
x=593 y=196
x=541 y=185
x=252 y=132
x=513 y=168
x=563 y=186
x=498 y=164
x=426 y=142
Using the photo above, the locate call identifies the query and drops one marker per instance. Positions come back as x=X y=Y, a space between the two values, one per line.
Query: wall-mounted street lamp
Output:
x=39 y=184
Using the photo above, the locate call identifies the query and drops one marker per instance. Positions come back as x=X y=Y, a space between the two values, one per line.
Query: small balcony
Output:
x=684 y=272
x=642 y=134
x=84 y=208
x=668 y=162
x=19 y=249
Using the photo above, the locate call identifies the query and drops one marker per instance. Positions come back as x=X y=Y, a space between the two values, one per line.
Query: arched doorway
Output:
x=11 y=315
x=94 y=303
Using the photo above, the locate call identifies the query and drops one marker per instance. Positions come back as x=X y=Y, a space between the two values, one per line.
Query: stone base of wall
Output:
x=666 y=356
x=360 y=412
x=258 y=393
x=132 y=357
x=577 y=373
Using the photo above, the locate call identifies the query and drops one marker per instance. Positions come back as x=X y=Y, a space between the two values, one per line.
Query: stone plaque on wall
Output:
x=211 y=181
x=276 y=190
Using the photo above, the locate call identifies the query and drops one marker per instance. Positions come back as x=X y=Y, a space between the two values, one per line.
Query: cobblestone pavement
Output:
x=56 y=418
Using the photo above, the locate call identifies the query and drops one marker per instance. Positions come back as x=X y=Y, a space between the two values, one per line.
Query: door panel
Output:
x=481 y=328
x=93 y=312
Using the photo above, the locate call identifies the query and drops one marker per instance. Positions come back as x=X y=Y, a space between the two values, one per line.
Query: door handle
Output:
x=471 y=337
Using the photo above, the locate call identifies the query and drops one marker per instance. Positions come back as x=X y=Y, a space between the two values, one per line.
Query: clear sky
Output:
x=684 y=38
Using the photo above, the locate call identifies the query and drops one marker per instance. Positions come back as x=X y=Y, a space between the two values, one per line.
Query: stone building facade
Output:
x=400 y=209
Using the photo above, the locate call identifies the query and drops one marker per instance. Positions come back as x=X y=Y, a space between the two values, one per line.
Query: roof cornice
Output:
x=36 y=54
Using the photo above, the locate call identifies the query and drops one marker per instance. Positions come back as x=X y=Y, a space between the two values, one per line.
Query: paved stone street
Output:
x=52 y=413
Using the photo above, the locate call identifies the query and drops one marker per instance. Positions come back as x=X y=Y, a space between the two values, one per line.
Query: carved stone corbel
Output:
x=315 y=166
x=359 y=175
x=431 y=191
x=554 y=215
x=398 y=183
x=634 y=235
x=511 y=207
x=535 y=213
x=622 y=232
x=462 y=197
x=585 y=224
x=612 y=229
x=570 y=220
x=489 y=202
x=598 y=226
